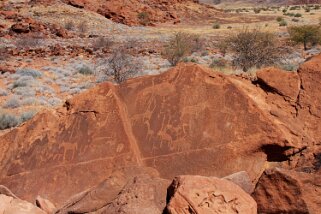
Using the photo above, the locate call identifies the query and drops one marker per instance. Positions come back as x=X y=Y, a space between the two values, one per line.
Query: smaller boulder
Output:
x=205 y=195
x=6 y=69
x=282 y=82
x=77 y=3
x=286 y=191
x=20 y=28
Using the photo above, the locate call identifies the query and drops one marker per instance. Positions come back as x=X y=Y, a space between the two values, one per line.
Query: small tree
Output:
x=253 y=48
x=305 y=34
x=122 y=65
x=180 y=46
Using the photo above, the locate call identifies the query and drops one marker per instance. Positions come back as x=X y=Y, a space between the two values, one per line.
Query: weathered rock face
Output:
x=104 y=195
x=243 y=180
x=13 y=205
x=204 y=195
x=142 y=195
x=286 y=84
x=284 y=191
x=188 y=120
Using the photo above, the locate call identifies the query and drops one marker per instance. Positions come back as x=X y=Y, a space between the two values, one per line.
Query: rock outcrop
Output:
x=189 y=120
x=285 y=191
x=203 y=195
x=286 y=84
x=144 y=12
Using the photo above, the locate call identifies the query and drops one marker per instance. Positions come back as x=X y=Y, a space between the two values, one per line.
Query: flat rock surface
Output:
x=205 y=195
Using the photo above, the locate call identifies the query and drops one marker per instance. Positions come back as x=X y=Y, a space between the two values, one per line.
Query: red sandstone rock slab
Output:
x=206 y=195
x=188 y=120
x=282 y=82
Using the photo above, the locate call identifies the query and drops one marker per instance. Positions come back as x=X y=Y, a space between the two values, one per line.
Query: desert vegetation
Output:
x=121 y=65
x=253 y=48
x=306 y=34
x=180 y=46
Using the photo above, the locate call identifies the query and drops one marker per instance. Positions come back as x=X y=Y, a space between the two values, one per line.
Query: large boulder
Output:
x=205 y=195
x=284 y=191
x=188 y=120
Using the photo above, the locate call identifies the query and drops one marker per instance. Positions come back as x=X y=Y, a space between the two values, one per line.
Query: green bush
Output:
x=253 y=48
x=279 y=19
x=216 y=26
x=27 y=116
x=283 y=23
x=180 y=46
x=13 y=102
x=218 y=63
x=257 y=10
x=85 y=70
x=298 y=15
x=305 y=34
x=289 y=67
x=8 y=121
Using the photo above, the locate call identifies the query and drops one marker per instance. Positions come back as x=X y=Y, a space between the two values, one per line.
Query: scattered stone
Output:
x=20 y=28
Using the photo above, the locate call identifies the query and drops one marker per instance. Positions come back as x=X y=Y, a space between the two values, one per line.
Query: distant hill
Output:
x=260 y=2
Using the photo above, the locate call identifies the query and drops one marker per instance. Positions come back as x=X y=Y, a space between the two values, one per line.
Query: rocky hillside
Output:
x=137 y=12
x=261 y=2
x=115 y=148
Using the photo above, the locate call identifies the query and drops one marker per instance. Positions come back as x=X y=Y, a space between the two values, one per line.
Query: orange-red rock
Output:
x=13 y=205
x=103 y=194
x=188 y=120
x=207 y=195
x=45 y=205
x=285 y=83
x=20 y=28
x=284 y=191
